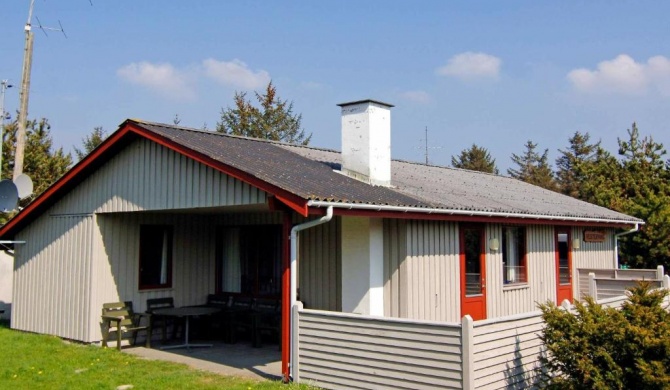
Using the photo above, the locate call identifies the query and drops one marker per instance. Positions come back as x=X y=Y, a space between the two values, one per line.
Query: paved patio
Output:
x=239 y=359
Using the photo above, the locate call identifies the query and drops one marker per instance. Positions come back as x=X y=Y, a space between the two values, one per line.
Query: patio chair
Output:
x=119 y=318
x=163 y=321
x=266 y=318
x=238 y=317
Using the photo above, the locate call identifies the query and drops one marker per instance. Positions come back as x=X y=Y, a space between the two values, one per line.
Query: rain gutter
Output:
x=468 y=213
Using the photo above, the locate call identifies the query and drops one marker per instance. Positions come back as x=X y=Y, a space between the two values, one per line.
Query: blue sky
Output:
x=488 y=72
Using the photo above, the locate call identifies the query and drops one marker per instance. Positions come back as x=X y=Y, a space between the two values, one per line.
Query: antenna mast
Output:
x=23 y=96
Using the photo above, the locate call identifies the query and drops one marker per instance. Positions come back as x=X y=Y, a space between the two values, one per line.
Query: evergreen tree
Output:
x=533 y=168
x=90 y=142
x=273 y=120
x=645 y=189
x=475 y=159
x=42 y=163
x=604 y=348
x=570 y=165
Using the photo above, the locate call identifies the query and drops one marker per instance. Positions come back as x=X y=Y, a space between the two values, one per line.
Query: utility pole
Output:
x=23 y=98
x=4 y=84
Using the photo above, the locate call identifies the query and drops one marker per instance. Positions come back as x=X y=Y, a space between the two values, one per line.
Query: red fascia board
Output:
x=291 y=200
x=75 y=175
x=129 y=131
x=464 y=218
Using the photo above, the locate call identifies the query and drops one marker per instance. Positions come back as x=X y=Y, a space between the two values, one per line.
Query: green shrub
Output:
x=604 y=348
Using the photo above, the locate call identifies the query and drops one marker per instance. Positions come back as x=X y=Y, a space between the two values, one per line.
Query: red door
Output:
x=473 y=272
x=563 y=265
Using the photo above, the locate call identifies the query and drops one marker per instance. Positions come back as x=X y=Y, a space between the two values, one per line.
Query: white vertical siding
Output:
x=320 y=265
x=52 y=277
x=149 y=176
x=593 y=254
x=540 y=267
x=431 y=269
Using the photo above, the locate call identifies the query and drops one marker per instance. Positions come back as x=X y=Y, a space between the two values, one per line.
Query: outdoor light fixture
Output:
x=575 y=243
x=494 y=244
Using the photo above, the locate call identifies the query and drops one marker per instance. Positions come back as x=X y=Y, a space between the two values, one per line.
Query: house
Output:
x=158 y=210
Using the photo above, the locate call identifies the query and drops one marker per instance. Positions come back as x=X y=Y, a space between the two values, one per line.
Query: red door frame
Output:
x=563 y=291
x=475 y=306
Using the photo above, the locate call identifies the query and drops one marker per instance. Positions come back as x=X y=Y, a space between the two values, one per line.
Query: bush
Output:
x=605 y=348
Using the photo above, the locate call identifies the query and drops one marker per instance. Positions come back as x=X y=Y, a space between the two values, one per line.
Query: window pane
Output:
x=155 y=256
x=514 y=255
x=473 y=270
x=251 y=260
x=563 y=261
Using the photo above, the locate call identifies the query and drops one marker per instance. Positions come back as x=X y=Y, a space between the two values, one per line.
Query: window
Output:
x=514 y=255
x=155 y=256
x=249 y=260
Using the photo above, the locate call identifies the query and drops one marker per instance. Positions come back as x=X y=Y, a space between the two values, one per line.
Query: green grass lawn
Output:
x=31 y=361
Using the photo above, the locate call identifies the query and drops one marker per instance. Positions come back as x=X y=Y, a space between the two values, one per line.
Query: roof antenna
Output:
x=426 y=147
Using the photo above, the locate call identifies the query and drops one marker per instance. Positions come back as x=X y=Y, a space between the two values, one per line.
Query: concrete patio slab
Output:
x=240 y=359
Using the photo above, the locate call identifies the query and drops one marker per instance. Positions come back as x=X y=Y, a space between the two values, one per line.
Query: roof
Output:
x=299 y=174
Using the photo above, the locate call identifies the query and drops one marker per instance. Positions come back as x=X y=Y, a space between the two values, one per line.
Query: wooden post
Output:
x=666 y=281
x=286 y=297
x=660 y=272
x=295 y=342
x=593 y=289
x=468 y=357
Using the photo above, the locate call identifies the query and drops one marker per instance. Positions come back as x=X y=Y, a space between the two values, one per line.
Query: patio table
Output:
x=186 y=313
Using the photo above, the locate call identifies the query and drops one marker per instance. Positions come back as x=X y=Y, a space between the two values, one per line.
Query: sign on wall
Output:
x=594 y=236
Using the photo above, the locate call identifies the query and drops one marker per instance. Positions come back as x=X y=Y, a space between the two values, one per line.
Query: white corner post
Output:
x=362 y=266
x=294 y=278
x=660 y=272
x=468 y=351
x=593 y=289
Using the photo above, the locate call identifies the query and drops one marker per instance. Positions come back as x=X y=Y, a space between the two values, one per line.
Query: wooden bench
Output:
x=119 y=317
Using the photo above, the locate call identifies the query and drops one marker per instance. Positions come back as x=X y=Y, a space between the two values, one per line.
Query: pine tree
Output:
x=475 y=159
x=570 y=165
x=42 y=163
x=533 y=167
x=90 y=142
x=273 y=120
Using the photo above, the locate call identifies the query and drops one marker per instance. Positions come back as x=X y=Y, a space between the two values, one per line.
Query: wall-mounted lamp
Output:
x=575 y=243
x=494 y=244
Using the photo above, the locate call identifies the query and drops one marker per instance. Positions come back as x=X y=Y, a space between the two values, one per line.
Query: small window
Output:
x=155 y=256
x=514 y=255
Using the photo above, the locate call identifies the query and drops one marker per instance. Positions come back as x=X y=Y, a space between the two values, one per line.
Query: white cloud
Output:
x=161 y=78
x=623 y=75
x=471 y=65
x=235 y=73
x=416 y=96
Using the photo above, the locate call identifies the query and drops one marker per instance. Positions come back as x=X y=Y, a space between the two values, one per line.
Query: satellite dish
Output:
x=9 y=195
x=24 y=184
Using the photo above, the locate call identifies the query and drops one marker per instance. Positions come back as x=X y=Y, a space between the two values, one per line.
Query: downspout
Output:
x=294 y=266
x=616 y=243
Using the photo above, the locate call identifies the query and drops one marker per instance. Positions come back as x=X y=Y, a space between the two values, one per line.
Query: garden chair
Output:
x=119 y=318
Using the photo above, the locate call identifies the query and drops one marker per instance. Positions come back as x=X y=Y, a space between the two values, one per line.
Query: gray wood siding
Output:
x=395 y=268
x=507 y=351
x=52 y=277
x=345 y=351
x=431 y=270
x=540 y=262
x=593 y=254
x=320 y=266
x=148 y=176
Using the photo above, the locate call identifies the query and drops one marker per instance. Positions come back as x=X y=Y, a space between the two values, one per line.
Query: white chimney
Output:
x=366 y=141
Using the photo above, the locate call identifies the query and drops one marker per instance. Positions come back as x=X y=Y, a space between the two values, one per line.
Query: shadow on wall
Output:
x=518 y=377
